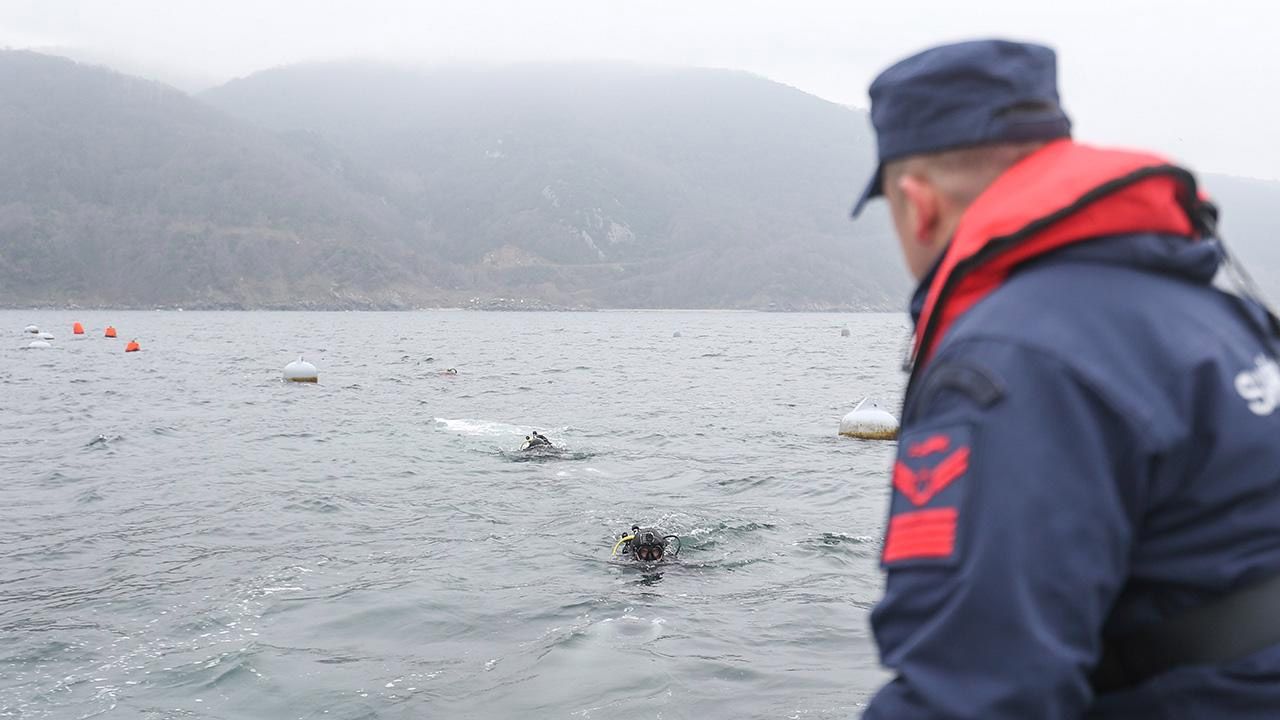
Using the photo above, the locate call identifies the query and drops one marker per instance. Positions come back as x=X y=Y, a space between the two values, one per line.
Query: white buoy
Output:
x=300 y=371
x=45 y=336
x=676 y=334
x=37 y=344
x=31 y=329
x=868 y=422
x=844 y=332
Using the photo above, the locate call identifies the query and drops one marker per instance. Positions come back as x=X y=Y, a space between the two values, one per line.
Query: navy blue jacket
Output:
x=1092 y=448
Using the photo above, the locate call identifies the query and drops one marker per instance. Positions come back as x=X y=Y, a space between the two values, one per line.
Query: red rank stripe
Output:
x=921 y=534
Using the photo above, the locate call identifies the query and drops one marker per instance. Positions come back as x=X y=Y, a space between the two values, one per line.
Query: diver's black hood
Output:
x=648 y=536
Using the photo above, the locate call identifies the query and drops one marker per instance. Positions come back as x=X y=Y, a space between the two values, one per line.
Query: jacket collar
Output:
x=1062 y=194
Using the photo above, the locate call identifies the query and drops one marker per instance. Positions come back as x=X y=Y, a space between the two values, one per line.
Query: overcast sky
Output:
x=1197 y=80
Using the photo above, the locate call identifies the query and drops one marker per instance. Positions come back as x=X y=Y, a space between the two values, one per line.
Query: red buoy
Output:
x=132 y=346
x=77 y=329
x=111 y=331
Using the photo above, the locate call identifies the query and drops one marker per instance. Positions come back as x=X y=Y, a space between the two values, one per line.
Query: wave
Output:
x=545 y=455
x=479 y=428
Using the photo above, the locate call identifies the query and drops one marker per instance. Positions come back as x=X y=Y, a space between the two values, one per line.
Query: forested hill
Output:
x=346 y=185
x=639 y=186
x=116 y=190
x=366 y=186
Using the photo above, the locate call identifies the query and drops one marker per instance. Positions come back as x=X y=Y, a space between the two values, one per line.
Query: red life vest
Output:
x=1064 y=193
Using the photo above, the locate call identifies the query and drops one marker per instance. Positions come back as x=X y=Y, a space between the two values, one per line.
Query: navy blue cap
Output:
x=962 y=95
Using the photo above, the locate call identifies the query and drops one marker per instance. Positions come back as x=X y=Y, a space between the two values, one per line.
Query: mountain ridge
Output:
x=363 y=185
x=587 y=158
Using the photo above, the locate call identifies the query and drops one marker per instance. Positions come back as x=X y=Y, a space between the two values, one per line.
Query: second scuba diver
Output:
x=536 y=440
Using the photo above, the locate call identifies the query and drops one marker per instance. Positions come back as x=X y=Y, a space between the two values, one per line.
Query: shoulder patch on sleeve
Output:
x=928 y=493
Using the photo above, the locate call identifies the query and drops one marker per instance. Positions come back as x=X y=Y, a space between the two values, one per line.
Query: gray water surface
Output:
x=371 y=547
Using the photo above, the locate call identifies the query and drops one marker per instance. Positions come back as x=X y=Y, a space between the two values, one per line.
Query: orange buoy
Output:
x=132 y=346
x=111 y=332
x=77 y=329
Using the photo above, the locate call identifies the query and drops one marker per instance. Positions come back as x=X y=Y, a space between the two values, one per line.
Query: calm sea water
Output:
x=371 y=547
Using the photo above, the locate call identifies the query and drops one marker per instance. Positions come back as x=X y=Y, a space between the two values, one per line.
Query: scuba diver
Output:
x=536 y=440
x=646 y=545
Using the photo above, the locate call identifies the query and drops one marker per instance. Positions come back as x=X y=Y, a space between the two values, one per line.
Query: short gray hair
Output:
x=960 y=174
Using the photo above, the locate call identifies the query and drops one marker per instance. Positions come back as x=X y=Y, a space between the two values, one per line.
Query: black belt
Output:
x=1229 y=628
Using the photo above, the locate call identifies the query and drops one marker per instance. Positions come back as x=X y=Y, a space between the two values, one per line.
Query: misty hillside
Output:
x=347 y=185
x=363 y=186
x=117 y=190
x=632 y=186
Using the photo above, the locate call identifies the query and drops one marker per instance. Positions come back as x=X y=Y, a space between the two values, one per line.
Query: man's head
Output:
x=948 y=122
x=928 y=194
x=648 y=546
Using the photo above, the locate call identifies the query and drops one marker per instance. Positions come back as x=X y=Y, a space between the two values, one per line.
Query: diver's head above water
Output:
x=648 y=545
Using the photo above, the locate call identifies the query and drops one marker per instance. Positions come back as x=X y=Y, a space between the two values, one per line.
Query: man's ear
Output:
x=922 y=206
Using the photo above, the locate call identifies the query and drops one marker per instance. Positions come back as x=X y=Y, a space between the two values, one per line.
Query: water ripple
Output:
x=374 y=546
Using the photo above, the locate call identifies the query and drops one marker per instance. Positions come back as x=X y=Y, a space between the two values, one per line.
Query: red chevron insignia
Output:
x=919 y=486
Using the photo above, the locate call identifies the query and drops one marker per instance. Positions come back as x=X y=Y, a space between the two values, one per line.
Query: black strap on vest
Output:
x=1232 y=627
x=1204 y=215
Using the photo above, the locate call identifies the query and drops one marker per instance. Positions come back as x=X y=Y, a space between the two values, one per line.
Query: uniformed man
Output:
x=1085 y=512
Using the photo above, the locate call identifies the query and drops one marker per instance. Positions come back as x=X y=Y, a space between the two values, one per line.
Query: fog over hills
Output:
x=633 y=186
x=354 y=185
x=351 y=185
x=126 y=192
